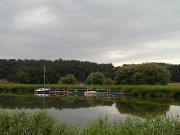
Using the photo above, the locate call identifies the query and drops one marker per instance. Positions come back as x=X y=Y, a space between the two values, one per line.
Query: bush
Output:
x=96 y=78
x=108 y=81
x=69 y=79
x=147 y=73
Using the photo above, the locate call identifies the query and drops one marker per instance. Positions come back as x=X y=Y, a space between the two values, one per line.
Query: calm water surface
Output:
x=80 y=110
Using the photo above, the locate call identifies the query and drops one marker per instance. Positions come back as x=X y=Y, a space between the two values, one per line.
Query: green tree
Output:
x=96 y=78
x=22 y=76
x=108 y=81
x=110 y=75
x=69 y=79
x=147 y=73
x=124 y=74
x=52 y=76
x=27 y=75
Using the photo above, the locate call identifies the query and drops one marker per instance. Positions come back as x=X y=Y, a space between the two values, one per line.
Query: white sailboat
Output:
x=42 y=89
x=90 y=91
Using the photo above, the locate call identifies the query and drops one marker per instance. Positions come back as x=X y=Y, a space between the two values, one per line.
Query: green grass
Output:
x=40 y=123
x=136 y=90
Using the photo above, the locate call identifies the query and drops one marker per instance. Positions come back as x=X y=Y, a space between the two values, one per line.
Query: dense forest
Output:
x=32 y=70
x=13 y=69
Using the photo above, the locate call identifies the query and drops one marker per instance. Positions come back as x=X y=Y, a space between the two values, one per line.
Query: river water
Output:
x=80 y=110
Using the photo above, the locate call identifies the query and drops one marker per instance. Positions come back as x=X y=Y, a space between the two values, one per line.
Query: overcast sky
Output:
x=101 y=31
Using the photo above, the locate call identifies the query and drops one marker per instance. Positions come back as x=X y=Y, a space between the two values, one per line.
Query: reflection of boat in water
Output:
x=42 y=95
x=42 y=89
x=117 y=94
x=89 y=94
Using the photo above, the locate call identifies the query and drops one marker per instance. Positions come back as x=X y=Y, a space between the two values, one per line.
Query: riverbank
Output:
x=41 y=123
x=136 y=90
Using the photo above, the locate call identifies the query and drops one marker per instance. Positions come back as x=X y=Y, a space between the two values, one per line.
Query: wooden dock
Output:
x=66 y=90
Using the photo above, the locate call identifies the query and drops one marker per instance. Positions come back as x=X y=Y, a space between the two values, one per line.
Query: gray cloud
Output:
x=103 y=31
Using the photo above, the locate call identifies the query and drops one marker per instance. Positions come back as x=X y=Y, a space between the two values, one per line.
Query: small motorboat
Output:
x=118 y=94
x=90 y=92
x=127 y=94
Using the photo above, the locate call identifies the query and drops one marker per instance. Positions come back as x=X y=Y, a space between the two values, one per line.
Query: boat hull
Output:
x=117 y=94
x=89 y=92
x=127 y=94
x=103 y=94
x=42 y=91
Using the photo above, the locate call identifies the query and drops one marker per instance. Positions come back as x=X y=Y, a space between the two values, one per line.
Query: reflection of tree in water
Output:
x=100 y=102
x=31 y=102
x=140 y=109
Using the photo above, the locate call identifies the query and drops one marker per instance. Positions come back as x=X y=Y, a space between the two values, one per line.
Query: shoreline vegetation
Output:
x=41 y=123
x=136 y=90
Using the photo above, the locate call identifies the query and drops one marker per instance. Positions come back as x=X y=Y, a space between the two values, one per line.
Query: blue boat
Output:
x=117 y=94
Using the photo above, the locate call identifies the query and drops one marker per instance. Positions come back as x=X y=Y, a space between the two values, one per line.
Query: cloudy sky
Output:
x=102 y=31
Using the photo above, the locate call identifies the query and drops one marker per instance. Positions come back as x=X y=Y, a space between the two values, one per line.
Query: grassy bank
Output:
x=40 y=123
x=136 y=90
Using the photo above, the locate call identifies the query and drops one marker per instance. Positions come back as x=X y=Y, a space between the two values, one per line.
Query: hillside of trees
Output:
x=31 y=71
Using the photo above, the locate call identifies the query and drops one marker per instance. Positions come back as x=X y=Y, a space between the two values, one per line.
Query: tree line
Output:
x=31 y=72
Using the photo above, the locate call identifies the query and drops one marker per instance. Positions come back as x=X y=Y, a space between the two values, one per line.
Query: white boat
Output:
x=89 y=92
x=42 y=89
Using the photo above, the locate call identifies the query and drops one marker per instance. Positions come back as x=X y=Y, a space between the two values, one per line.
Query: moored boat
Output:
x=103 y=94
x=42 y=89
x=117 y=94
x=90 y=92
x=127 y=94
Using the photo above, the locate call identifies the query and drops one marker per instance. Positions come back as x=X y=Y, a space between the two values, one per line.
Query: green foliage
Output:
x=79 y=69
x=175 y=72
x=27 y=75
x=96 y=78
x=31 y=75
x=110 y=75
x=69 y=79
x=22 y=123
x=147 y=73
x=52 y=76
x=41 y=123
x=108 y=81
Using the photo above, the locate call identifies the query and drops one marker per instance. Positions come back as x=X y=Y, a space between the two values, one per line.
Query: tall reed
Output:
x=40 y=123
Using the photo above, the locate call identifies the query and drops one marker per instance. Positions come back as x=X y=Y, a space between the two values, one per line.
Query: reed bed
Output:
x=40 y=123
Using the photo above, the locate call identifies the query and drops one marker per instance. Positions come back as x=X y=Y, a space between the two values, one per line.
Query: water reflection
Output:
x=141 y=109
x=81 y=109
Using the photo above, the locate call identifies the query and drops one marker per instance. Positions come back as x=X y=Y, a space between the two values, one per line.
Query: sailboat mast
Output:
x=91 y=79
x=44 y=75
